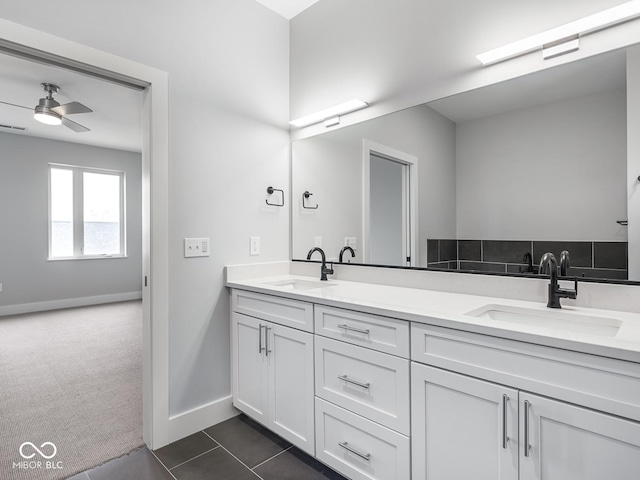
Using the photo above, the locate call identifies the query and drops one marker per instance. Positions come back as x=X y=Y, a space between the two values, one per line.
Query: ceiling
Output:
x=287 y=8
x=587 y=76
x=116 y=121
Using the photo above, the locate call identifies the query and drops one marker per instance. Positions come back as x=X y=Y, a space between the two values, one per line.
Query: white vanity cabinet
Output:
x=574 y=443
x=462 y=427
x=272 y=365
x=465 y=427
x=379 y=398
x=362 y=394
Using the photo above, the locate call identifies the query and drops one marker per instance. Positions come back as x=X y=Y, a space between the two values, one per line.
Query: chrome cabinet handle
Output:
x=266 y=340
x=260 y=347
x=355 y=382
x=505 y=439
x=527 y=406
x=354 y=329
x=347 y=447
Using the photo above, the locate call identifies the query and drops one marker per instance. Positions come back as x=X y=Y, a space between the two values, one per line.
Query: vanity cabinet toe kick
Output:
x=375 y=397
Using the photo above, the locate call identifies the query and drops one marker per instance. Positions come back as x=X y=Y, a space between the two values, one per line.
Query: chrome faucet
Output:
x=549 y=263
x=346 y=249
x=323 y=268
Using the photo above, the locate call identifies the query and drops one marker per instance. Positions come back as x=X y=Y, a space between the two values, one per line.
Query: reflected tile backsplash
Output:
x=604 y=260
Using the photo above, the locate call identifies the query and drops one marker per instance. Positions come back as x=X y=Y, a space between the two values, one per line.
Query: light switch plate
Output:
x=196 y=247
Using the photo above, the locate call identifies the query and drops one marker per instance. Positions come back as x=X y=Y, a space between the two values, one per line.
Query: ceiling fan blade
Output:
x=14 y=105
x=70 y=108
x=76 y=127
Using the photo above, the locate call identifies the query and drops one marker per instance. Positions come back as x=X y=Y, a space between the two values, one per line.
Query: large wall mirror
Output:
x=487 y=180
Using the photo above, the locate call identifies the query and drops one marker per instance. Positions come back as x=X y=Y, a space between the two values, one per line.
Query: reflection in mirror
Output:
x=503 y=174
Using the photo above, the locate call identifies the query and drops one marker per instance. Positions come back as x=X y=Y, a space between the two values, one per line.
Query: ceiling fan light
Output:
x=48 y=118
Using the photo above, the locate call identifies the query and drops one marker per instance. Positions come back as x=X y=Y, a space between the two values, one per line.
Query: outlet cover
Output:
x=196 y=247
x=351 y=242
x=254 y=246
x=317 y=242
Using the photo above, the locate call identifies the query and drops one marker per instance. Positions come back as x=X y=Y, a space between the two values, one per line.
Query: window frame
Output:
x=78 y=212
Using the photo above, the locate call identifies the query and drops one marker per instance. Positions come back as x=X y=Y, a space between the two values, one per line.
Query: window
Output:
x=86 y=212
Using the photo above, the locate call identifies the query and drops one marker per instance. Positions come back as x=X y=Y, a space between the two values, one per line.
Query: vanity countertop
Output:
x=606 y=333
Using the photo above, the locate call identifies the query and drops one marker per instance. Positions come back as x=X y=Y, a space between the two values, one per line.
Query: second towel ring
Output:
x=270 y=191
x=306 y=195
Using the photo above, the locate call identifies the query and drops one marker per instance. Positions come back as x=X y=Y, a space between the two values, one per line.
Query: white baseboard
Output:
x=193 y=421
x=68 y=303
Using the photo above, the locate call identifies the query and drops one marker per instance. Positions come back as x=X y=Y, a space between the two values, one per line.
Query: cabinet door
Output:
x=291 y=411
x=462 y=427
x=249 y=366
x=573 y=443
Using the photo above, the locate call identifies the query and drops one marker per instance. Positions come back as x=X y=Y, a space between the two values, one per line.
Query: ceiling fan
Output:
x=50 y=111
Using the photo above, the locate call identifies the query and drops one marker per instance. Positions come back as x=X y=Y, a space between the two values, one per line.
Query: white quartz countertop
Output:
x=614 y=334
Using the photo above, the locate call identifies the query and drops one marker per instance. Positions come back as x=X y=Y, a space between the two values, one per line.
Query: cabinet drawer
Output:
x=596 y=382
x=284 y=311
x=359 y=448
x=384 y=334
x=369 y=383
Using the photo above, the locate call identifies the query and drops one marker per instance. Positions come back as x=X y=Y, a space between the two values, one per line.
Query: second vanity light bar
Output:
x=599 y=21
x=329 y=113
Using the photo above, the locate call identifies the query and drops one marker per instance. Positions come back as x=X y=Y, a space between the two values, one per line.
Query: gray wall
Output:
x=633 y=166
x=551 y=172
x=25 y=273
x=228 y=66
x=332 y=171
x=331 y=165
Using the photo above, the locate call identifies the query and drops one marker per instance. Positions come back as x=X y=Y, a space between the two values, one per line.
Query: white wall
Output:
x=228 y=66
x=332 y=163
x=395 y=54
x=633 y=162
x=25 y=273
x=551 y=172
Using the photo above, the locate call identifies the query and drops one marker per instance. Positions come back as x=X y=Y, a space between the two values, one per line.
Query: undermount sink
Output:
x=298 y=284
x=552 y=319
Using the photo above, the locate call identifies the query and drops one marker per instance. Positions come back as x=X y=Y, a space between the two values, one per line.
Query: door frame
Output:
x=368 y=148
x=40 y=46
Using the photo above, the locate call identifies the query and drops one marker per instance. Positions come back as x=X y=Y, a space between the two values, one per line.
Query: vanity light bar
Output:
x=606 y=18
x=331 y=112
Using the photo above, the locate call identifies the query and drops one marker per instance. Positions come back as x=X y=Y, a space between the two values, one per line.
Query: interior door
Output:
x=567 y=442
x=388 y=211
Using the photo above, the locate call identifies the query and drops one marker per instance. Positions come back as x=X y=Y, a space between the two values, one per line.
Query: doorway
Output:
x=389 y=205
x=39 y=46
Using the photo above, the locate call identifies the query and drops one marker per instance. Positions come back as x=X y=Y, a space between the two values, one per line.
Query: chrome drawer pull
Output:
x=266 y=340
x=260 y=347
x=364 y=456
x=527 y=406
x=354 y=329
x=355 y=382
x=505 y=438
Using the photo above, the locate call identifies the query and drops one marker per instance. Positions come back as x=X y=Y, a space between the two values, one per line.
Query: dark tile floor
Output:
x=237 y=449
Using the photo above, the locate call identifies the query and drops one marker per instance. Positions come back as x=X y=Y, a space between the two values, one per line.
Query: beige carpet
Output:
x=73 y=378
